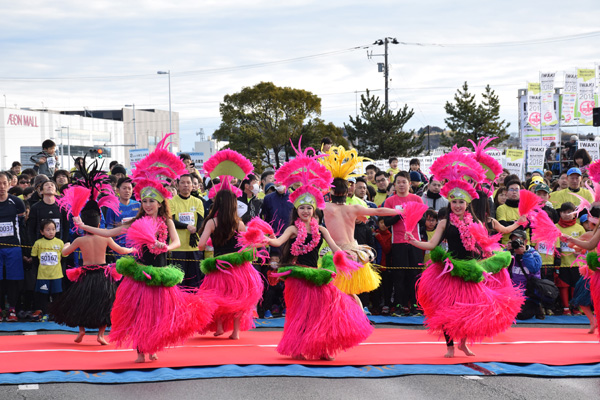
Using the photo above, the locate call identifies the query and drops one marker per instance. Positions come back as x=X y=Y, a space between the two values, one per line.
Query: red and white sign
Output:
x=22 y=120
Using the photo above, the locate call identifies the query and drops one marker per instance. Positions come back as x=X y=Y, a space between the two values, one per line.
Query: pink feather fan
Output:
x=594 y=171
x=544 y=231
x=74 y=199
x=257 y=223
x=142 y=232
x=412 y=212
x=529 y=202
x=483 y=239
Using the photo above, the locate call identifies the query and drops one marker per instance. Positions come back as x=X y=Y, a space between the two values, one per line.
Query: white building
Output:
x=75 y=133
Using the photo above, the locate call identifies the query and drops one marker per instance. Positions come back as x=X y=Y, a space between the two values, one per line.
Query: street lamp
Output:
x=385 y=42
x=168 y=73
x=134 y=131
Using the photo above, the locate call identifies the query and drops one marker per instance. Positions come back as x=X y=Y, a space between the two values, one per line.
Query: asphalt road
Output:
x=408 y=387
x=439 y=387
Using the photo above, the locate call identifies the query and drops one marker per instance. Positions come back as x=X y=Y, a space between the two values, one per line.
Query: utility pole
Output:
x=385 y=65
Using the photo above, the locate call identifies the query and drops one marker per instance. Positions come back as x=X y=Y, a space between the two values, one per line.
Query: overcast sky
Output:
x=104 y=54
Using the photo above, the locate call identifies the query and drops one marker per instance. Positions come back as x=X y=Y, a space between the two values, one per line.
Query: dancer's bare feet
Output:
x=219 y=333
x=79 y=337
x=450 y=352
x=463 y=347
x=593 y=327
x=327 y=357
x=235 y=336
x=153 y=357
x=299 y=357
x=101 y=340
x=141 y=358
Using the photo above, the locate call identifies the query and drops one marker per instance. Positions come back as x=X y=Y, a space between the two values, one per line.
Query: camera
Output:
x=516 y=244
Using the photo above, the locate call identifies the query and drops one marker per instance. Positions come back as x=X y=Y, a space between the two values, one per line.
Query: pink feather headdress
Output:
x=315 y=178
x=224 y=184
x=457 y=167
x=153 y=171
x=491 y=166
x=227 y=164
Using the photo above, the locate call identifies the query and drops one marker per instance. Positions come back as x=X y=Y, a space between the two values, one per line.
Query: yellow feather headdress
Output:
x=342 y=162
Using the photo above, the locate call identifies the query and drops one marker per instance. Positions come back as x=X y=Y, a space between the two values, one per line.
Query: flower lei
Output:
x=298 y=247
x=463 y=228
x=161 y=237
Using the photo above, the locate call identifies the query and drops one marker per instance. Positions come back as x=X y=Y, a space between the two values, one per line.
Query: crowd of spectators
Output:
x=28 y=202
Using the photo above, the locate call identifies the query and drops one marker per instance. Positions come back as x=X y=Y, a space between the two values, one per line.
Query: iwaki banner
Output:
x=547 y=99
x=569 y=95
x=514 y=161
x=533 y=106
x=591 y=146
x=586 y=82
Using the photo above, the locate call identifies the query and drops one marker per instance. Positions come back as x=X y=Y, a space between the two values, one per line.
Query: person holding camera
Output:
x=527 y=263
x=567 y=274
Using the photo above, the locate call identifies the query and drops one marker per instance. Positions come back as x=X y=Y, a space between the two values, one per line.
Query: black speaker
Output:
x=597 y=116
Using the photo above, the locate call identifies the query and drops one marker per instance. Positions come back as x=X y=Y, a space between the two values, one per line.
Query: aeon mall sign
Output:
x=22 y=120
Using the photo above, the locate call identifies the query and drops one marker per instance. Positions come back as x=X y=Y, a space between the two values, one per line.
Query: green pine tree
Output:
x=469 y=120
x=378 y=134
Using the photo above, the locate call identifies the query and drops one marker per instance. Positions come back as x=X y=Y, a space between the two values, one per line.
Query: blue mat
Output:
x=278 y=323
x=236 y=371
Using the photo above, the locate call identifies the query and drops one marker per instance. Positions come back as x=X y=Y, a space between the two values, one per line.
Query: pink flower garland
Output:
x=298 y=247
x=161 y=237
x=463 y=227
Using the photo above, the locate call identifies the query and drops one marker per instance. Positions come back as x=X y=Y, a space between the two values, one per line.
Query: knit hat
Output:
x=415 y=176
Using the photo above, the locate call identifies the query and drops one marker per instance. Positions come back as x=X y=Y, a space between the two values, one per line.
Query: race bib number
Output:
x=57 y=222
x=48 y=258
x=543 y=249
x=399 y=208
x=6 y=229
x=187 y=218
x=241 y=209
x=51 y=162
x=564 y=247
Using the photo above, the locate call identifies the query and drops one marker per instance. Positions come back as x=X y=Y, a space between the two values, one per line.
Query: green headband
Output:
x=306 y=198
x=150 y=192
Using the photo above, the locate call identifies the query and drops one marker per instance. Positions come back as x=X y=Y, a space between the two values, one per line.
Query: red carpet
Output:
x=550 y=346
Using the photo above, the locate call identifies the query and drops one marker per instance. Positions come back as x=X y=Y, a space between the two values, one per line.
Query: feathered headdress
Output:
x=491 y=166
x=93 y=186
x=461 y=171
x=342 y=162
x=226 y=164
x=314 y=177
x=151 y=173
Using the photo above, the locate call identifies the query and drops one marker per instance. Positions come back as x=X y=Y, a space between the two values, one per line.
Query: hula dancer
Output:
x=321 y=320
x=230 y=274
x=463 y=296
x=150 y=311
x=88 y=302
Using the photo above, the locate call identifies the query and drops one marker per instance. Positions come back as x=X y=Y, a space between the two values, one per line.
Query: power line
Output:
x=507 y=44
x=192 y=72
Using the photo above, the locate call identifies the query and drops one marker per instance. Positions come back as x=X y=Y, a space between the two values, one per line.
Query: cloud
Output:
x=105 y=54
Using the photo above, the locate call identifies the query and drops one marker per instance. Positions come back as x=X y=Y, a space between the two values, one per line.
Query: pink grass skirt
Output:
x=320 y=321
x=238 y=289
x=151 y=318
x=467 y=309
